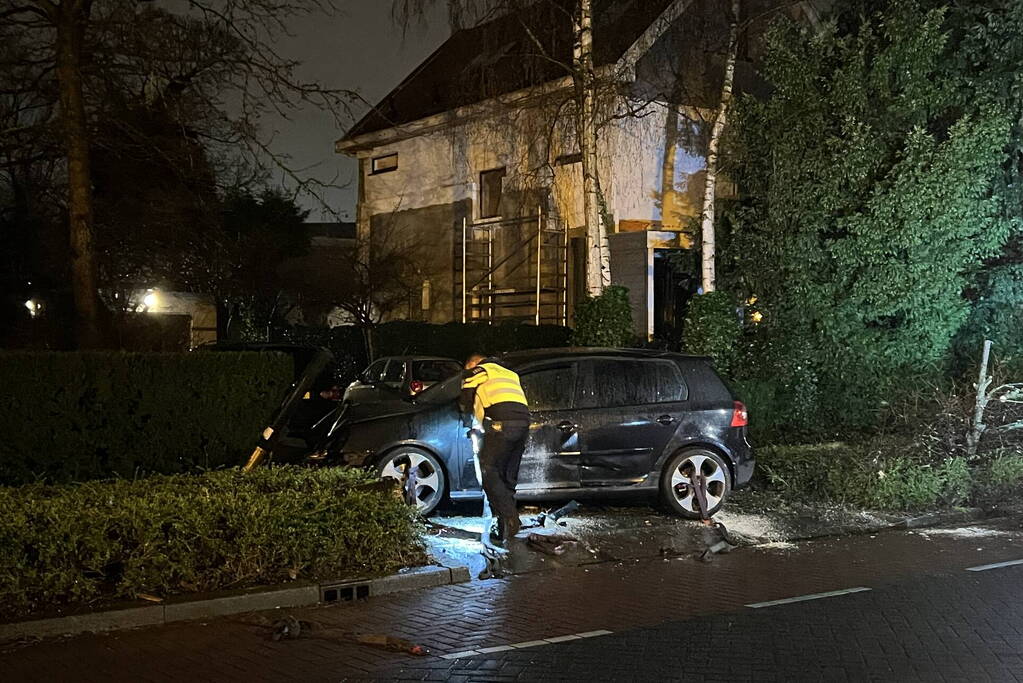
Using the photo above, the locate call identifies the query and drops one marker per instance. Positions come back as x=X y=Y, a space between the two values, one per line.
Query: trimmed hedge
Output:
x=69 y=416
x=885 y=476
x=81 y=543
x=458 y=340
x=712 y=329
x=453 y=340
x=604 y=320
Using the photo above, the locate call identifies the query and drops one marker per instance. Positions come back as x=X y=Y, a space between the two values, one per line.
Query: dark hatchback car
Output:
x=603 y=421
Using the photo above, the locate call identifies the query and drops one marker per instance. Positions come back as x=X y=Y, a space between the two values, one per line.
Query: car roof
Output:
x=574 y=352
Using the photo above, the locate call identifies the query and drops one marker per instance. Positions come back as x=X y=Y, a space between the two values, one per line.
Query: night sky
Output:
x=359 y=48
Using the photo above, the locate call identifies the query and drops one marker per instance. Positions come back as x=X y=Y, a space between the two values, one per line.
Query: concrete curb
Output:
x=216 y=605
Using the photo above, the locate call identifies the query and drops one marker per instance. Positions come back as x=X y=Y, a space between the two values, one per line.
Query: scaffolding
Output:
x=524 y=278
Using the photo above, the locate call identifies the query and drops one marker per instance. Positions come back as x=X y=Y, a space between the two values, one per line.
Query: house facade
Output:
x=473 y=161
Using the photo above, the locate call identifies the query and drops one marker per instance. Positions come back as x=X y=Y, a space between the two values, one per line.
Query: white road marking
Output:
x=528 y=643
x=812 y=596
x=496 y=648
x=996 y=565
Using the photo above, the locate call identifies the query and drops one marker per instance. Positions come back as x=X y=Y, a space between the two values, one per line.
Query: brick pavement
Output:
x=634 y=600
x=958 y=627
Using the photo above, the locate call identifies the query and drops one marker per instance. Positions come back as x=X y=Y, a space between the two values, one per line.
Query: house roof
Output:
x=502 y=56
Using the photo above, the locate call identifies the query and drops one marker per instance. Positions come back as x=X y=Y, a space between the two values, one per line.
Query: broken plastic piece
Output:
x=566 y=509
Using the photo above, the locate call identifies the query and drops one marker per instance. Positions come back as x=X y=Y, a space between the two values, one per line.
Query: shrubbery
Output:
x=75 y=416
x=712 y=329
x=604 y=320
x=458 y=340
x=884 y=476
x=877 y=221
x=453 y=340
x=75 y=544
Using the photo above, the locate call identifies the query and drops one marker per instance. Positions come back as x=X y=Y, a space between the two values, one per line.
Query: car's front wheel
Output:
x=678 y=491
x=408 y=463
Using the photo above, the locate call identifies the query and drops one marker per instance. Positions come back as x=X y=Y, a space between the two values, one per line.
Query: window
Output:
x=549 y=388
x=434 y=370
x=384 y=164
x=626 y=382
x=373 y=372
x=392 y=375
x=491 y=185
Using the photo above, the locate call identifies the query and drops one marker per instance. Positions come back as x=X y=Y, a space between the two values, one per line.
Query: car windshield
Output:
x=434 y=370
x=443 y=392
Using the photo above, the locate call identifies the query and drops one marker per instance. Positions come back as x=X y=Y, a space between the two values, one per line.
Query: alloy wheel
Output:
x=424 y=468
x=682 y=481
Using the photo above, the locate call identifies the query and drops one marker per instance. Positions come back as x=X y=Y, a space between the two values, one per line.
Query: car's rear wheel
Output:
x=677 y=489
x=407 y=462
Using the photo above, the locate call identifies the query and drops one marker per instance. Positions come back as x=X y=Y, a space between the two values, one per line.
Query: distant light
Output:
x=33 y=307
x=151 y=300
x=756 y=316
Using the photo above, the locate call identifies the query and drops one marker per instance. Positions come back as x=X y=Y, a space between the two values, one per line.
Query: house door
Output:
x=674 y=286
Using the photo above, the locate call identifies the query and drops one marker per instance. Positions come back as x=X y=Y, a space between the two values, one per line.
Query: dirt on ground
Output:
x=636 y=530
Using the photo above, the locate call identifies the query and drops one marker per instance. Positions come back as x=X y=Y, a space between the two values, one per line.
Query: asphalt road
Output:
x=903 y=606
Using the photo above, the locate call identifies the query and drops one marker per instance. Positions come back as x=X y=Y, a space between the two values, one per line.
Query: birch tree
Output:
x=598 y=261
x=708 y=253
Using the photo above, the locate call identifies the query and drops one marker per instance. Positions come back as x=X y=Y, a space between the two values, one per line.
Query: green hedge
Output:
x=458 y=340
x=74 y=416
x=885 y=476
x=453 y=340
x=604 y=320
x=81 y=543
x=712 y=329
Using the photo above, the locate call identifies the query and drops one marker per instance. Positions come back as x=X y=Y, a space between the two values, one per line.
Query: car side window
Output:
x=611 y=383
x=434 y=370
x=373 y=372
x=549 y=388
x=393 y=373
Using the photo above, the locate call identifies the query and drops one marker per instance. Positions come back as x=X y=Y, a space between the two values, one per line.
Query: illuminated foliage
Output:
x=874 y=189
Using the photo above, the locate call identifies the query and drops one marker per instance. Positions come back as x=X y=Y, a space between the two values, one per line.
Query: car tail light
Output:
x=415 y=386
x=740 y=418
x=335 y=393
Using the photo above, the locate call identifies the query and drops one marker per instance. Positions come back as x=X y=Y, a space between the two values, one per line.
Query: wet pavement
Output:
x=897 y=605
x=634 y=529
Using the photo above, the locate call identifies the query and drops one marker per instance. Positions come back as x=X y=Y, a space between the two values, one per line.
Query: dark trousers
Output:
x=500 y=457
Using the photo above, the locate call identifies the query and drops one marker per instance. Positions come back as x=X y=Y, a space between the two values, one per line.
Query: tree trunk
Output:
x=977 y=425
x=598 y=266
x=455 y=18
x=70 y=18
x=709 y=252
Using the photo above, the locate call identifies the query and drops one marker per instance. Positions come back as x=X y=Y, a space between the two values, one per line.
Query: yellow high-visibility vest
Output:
x=493 y=384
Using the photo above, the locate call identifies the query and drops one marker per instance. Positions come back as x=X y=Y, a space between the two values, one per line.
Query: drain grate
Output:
x=346 y=592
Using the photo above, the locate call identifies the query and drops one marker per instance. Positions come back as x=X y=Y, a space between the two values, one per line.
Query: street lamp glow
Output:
x=33 y=307
x=151 y=300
